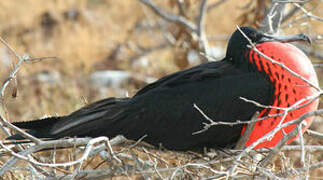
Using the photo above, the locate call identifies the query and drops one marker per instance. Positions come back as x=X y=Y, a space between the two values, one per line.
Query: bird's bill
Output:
x=286 y=39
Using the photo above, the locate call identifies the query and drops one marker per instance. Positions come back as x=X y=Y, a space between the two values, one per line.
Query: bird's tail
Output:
x=38 y=128
x=90 y=121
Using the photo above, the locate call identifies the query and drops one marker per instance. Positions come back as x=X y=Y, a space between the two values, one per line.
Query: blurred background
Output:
x=103 y=48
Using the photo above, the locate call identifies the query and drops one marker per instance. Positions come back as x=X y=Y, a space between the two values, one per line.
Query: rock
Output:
x=48 y=77
x=217 y=52
x=5 y=58
x=141 y=62
x=110 y=78
x=193 y=57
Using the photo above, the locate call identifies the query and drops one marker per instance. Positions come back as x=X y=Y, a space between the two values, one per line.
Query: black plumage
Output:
x=164 y=109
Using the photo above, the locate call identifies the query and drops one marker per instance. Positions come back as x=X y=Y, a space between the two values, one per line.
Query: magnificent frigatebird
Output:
x=164 y=110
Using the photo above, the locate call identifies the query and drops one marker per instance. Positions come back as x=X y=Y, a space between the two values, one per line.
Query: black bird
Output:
x=164 y=110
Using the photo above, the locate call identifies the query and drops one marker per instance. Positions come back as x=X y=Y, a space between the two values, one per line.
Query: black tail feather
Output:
x=39 y=128
x=90 y=121
x=37 y=124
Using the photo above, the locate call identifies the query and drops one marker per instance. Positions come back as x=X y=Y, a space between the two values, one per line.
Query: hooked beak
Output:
x=286 y=39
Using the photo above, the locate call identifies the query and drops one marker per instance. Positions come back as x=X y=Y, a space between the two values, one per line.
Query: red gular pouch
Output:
x=288 y=89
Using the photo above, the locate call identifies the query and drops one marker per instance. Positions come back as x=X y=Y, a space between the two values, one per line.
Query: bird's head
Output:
x=244 y=36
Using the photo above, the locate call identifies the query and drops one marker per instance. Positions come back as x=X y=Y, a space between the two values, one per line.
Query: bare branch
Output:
x=315 y=134
x=290 y=14
x=33 y=59
x=246 y=134
x=308 y=14
x=31 y=160
x=264 y=162
x=261 y=105
x=206 y=126
x=2 y=91
x=196 y=28
x=170 y=17
x=309 y=148
x=203 y=42
x=272 y=20
x=301 y=140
